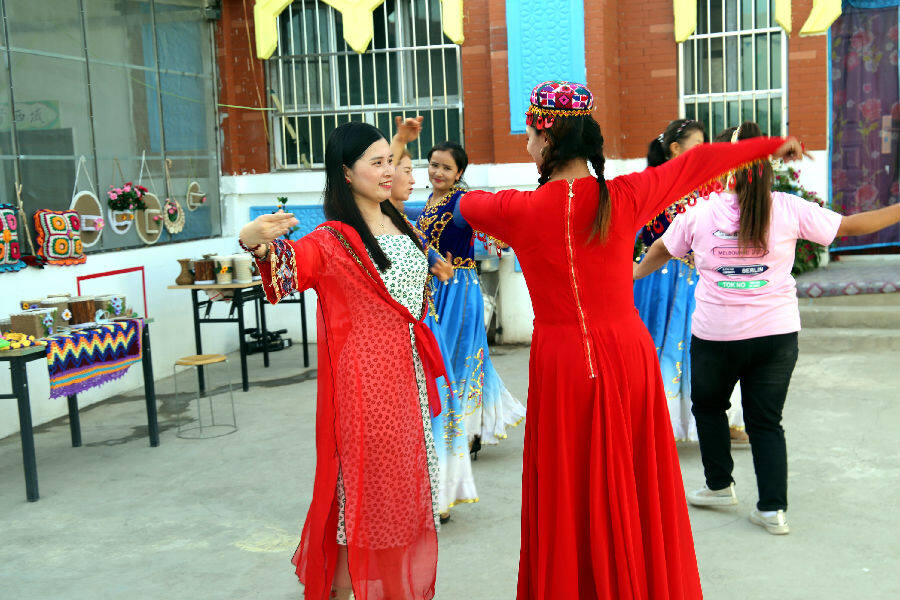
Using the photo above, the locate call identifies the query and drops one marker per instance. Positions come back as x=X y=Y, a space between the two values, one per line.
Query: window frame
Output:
x=403 y=99
x=724 y=97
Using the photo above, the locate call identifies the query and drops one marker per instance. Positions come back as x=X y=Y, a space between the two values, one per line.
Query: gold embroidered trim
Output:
x=556 y=112
x=463 y=263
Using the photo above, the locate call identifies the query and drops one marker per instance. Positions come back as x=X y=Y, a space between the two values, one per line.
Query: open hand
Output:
x=791 y=150
x=408 y=129
x=443 y=269
x=266 y=228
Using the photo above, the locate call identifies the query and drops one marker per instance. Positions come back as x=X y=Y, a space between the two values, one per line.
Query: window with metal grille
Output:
x=317 y=82
x=734 y=68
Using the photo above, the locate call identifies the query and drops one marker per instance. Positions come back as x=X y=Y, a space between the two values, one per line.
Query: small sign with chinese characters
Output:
x=40 y=114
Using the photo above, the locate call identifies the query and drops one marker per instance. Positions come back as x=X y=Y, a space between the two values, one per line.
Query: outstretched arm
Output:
x=870 y=221
x=655 y=188
x=656 y=256
x=407 y=131
x=284 y=266
x=499 y=215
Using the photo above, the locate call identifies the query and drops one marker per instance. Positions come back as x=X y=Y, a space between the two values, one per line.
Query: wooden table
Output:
x=243 y=292
x=18 y=359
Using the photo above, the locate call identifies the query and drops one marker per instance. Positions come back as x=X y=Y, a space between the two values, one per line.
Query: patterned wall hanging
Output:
x=88 y=207
x=10 y=251
x=59 y=237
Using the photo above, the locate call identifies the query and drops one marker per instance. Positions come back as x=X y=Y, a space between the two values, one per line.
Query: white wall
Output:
x=171 y=334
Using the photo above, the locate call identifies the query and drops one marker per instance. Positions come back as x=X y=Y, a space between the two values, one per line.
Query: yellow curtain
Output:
x=823 y=14
x=265 y=21
x=685 y=18
x=357 y=19
x=685 y=12
x=358 y=26
x=452 y=11
x=783 y=14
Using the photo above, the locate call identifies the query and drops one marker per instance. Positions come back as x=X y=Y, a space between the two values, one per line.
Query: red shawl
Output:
x=368 y=421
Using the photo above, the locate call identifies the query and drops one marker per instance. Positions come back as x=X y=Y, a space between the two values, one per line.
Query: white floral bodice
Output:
x=405 y=278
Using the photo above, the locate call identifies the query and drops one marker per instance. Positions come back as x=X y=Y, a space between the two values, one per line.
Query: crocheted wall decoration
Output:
x=10 y=254
x=59 y=237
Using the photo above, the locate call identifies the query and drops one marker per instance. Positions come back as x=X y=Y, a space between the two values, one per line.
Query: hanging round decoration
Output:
x=195 y=198
x=173 y=216
x=149 y=221
x=120 y=221
x=88 y=207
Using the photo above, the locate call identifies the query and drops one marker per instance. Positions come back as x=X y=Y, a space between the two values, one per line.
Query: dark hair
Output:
x=753 y=187
x=457 y=152
x=578 y=137
x=725 y=135
x=346 y=145
x=658 y=152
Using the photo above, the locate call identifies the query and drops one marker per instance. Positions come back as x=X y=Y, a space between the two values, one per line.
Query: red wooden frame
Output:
x=81 y=278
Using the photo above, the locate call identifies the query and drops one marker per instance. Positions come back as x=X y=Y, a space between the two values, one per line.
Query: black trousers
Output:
x=764 y=366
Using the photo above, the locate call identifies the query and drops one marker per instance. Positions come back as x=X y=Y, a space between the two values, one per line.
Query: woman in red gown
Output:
x=372 y=523
x=603 y=506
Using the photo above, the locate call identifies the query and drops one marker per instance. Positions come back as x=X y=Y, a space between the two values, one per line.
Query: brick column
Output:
x=245 y=144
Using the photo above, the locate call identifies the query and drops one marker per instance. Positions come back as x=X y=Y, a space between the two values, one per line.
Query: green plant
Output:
x=127 y=197
x=282 y=206
x=807 y=253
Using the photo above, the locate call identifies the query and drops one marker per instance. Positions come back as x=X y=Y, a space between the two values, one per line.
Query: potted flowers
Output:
x=123 y=201
x=173 y=216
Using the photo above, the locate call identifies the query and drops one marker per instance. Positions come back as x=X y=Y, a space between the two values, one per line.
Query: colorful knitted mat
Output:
x=86 y=358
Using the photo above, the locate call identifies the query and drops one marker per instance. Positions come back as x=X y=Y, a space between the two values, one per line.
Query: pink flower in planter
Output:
x=113 y=196
x=99 y=223
x=203 y=200
x=870 y=109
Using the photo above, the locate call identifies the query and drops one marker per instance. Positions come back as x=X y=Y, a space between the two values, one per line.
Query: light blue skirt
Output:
x=665 y=301
x=488 y=407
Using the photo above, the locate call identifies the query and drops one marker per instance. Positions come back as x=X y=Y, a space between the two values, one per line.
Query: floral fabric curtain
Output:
x=865 y=150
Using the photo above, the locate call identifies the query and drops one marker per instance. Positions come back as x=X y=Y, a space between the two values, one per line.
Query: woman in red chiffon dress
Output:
x=603 y=505
x=372 y=524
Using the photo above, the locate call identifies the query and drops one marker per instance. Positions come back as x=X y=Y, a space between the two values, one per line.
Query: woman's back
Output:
x=569 y=272
x=747 y=292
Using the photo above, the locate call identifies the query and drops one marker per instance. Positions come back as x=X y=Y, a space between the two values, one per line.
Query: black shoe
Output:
x=475 y=447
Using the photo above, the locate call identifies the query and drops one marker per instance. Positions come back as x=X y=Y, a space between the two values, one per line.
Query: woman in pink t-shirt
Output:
x=746 y=320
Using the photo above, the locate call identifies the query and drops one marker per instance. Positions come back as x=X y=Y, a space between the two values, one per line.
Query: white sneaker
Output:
x=776 y=524
x=708 y=497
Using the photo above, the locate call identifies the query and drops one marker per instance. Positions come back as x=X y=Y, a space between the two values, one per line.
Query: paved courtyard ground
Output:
x=219 y=519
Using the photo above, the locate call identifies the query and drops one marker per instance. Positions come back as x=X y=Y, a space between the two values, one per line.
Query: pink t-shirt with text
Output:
x=747 y=293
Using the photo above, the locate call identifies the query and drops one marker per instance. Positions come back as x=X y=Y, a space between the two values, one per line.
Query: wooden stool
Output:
x=212 y=429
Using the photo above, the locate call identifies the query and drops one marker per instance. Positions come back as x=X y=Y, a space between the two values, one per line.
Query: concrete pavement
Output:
x=210 y=519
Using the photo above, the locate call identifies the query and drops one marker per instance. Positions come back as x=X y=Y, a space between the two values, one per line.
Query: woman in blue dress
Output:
x=456 y=484
x=665 y=300
x=488 y=406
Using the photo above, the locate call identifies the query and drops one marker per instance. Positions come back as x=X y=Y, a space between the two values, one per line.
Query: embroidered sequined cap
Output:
x=553 y=99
